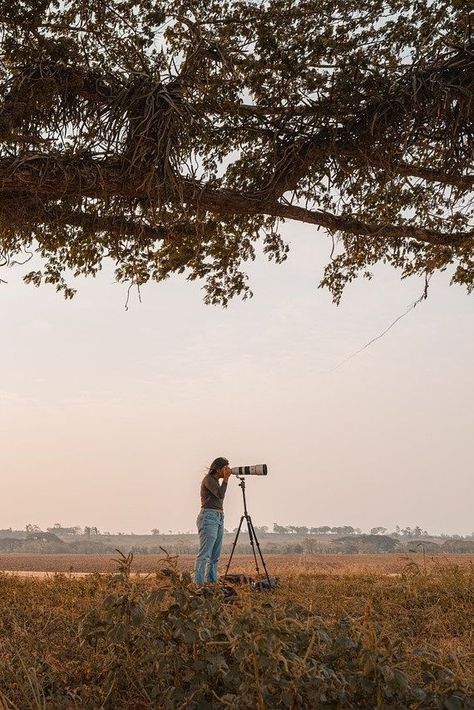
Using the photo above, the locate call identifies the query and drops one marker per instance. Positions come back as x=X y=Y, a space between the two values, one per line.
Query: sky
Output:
x=110 y=417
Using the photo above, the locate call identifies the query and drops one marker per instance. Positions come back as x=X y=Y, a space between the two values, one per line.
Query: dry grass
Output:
x=277 y=564
x=412 y=618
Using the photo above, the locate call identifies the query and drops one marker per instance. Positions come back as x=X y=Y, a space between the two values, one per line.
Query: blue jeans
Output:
x=210 y=525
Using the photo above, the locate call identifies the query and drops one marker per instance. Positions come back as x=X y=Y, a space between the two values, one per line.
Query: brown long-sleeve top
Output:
x=212 y=494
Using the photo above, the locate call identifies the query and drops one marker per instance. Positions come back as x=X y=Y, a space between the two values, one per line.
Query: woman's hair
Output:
x=217 y=464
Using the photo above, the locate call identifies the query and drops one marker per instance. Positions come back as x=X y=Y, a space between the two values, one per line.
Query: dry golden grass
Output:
x=277 y=564
x=377 y=628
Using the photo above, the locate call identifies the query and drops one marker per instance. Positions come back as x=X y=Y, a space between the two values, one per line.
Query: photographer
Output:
x=210 y=521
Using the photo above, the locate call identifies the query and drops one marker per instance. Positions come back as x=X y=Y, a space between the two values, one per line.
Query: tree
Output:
x=321 y=530
x=88 y=531
x=32 y=529
x=347 y=530
x=310 y=545
x=378 y=530
x=170 y=136
x=301 y=529
x=60 y=530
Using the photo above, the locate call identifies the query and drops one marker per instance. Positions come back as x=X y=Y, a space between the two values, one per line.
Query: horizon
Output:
x=259 y=528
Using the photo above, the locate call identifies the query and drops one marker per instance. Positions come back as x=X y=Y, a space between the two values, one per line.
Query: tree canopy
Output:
x=173 y=137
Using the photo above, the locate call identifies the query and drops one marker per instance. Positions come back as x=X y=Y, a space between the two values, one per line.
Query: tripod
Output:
x=252 y=536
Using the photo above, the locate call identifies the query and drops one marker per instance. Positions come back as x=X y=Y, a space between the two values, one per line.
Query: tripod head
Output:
x=242 y=486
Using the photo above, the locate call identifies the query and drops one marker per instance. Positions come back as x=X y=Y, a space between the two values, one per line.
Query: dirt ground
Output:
x=390 y=564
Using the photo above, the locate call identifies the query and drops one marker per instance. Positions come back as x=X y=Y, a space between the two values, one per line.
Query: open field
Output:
x=277 y=564
x=343 y=631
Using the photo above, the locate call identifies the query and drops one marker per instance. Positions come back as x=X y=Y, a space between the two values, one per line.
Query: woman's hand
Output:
x=227 y=473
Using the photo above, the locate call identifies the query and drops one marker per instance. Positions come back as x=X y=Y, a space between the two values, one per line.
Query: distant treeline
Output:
x=92 y=531
x=417 y=531
x=283 y=539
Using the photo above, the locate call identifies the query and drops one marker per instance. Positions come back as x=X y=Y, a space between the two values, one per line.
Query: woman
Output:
x=210 y=521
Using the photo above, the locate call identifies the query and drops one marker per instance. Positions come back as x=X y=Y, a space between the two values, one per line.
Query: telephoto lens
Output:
x=259 y=469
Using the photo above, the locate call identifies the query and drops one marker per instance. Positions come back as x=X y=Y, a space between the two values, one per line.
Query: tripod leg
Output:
x=251 y=533
x=233 y=546
x=251 y=527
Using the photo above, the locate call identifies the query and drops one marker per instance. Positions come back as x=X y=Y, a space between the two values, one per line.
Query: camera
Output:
x=257 y=470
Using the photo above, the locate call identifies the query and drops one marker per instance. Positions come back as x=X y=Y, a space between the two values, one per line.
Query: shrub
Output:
x=178 y=648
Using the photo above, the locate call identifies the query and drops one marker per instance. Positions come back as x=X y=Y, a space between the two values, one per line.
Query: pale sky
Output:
x=110 y=417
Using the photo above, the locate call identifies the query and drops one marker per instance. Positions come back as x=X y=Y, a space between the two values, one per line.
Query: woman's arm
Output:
x=217 y=490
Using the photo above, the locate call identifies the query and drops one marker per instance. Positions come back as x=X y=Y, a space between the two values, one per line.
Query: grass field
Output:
x=345 y=631
x=277 y=564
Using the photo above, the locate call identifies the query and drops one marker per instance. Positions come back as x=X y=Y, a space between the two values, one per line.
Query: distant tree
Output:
x=293 y=549
x=155 y=531
x=170 y=136
x=91 y=530
x=347 y=530
x=343 y=530
x=261 y=529
x=32 y=528
x=419 y=532
x=279 y=529
x=366 y=543
x=301 y=529
x=378 y=531
x=60 y=530
x=321 y=530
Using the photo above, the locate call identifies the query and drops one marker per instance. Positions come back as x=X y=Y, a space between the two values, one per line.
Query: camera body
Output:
x=257 y=470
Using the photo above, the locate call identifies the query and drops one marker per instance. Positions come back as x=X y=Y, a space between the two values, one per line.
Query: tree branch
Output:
x=54 y=179
x=367 y=131
x=227 y=202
